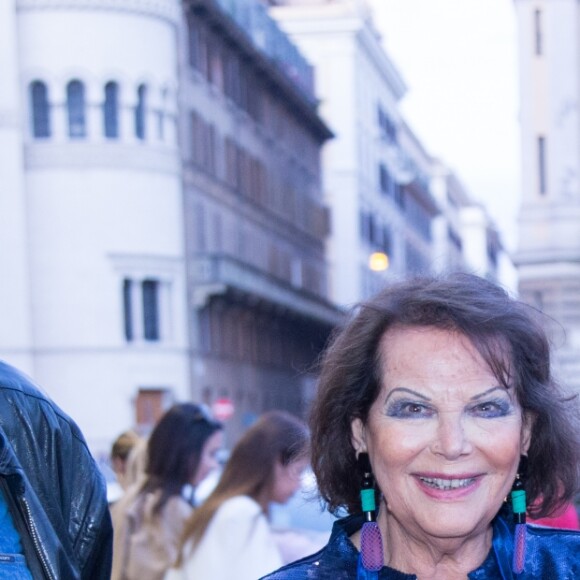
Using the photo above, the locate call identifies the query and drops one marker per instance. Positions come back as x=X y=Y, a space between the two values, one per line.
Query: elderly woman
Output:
x=437 y=421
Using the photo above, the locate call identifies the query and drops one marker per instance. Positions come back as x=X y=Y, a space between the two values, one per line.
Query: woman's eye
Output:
x=491 y=409
x=409 y=409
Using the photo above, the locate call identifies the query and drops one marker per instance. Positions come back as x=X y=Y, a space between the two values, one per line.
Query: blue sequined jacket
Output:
x=550 y=555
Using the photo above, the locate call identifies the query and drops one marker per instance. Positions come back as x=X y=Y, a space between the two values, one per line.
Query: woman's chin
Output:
x=447 y=522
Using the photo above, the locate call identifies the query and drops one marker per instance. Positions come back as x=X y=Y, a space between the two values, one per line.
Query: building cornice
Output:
x=382 y=61
x=103 y=156
x=301 y=103
x=164 y=9
x=337 y=19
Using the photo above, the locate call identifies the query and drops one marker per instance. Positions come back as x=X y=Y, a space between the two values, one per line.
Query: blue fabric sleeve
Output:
x=12 y=561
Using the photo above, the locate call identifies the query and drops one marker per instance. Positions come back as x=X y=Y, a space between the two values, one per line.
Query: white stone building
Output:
x=464 y=236
x=163 y=224
x=93 y=298
x=548 y=256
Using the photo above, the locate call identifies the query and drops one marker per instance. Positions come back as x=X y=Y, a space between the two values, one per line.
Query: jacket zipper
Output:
x=34 y=536
x=24 y=523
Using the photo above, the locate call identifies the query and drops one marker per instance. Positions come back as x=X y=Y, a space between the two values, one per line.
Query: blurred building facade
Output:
x=464 y=236
x=170 y=230
x=386 y=193
x=256 y=220
x=163 y=229
x=548 y=256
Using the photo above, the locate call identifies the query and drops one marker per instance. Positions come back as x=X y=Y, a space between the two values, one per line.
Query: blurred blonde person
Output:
x=229 y=535
x=149 y=519
x=120 y=452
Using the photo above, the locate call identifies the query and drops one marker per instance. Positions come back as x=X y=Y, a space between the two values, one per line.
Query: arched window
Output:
x=111 y=110
x=39 y=110
x=140 y=111
x=75 y=102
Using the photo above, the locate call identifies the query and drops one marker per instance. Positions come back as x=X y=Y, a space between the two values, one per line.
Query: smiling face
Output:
x=443 y=436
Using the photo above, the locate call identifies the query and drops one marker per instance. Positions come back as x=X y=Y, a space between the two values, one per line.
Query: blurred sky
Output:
x=459 y=60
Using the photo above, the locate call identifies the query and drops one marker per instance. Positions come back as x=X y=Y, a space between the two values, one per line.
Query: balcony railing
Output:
x=252 y=17
x=214 y=275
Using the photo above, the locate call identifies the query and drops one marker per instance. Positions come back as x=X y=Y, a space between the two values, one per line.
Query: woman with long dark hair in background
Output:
x=229 y=535
x=149 y=520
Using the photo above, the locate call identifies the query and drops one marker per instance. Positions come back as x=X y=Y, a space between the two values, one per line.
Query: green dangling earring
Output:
x=371 y=541
x=519 y=507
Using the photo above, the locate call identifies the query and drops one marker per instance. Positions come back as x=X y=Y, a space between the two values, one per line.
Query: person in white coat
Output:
x=229 y=535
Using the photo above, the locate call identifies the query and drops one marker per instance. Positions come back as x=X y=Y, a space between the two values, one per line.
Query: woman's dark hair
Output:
x=174 y=449
x=276 y=436
x=508 y=335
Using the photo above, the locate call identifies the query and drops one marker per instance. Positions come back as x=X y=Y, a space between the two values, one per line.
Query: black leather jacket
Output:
x=53 y=487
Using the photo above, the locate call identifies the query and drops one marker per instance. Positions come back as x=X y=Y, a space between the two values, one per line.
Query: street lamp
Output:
x=378 y=262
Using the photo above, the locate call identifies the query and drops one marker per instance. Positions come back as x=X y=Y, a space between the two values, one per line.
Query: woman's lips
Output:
x=443 y=486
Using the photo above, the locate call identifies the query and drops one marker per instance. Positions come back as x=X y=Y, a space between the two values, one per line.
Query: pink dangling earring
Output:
x=371 y=540
x=518 y=498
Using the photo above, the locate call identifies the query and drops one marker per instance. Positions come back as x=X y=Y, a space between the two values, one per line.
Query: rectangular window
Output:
x=128 y=309
x=75 y=95
x=364 y=225
x=387 y=245
x=160 y=125
x=198 y=45
x=151 y=309
x=399 y=192
x=538 y=32
x=216 y=72
x=111 y=111
x=200 y=236
x=140 y=112
x=232 y=76
x=492 y=251
x=146 y=305
x=542 y=165
x=384 y=179
x=231 y=162
x=210 y=147
x=40 y=110
x=193 y=43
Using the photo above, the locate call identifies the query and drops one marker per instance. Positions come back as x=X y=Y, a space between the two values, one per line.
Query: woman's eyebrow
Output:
x=485 y=393
x=404 y=389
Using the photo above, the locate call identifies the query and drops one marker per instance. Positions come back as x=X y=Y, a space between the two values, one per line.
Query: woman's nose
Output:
x=451 y=440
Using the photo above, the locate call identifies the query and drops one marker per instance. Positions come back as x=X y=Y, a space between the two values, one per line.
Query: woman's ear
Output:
x=528 y=421
x=358 y=436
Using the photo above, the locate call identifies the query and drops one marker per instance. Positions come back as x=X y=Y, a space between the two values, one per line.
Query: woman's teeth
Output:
x=446 y=483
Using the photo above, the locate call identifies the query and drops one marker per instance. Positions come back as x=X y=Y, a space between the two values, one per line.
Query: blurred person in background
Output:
x=136 y=463
x=54 y=516
x=120 y=452
x=148 y=520
x=229 y=536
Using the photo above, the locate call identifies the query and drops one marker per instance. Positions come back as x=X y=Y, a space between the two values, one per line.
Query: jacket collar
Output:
x=499 y=555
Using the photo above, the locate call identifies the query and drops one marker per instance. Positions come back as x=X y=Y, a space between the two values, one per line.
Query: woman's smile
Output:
x=448 y=488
